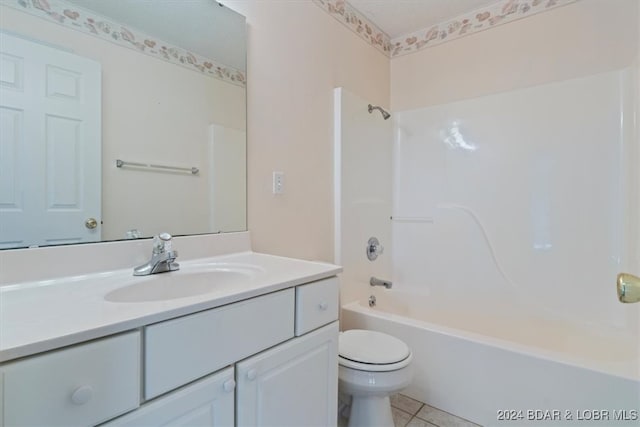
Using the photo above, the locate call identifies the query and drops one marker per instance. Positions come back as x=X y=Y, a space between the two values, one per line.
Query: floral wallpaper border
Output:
x=482 y=19
x=499 y=13
x=358 y=23
x=71 y=16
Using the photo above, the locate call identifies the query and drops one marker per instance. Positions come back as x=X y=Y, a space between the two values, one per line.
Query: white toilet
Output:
x=373 y=366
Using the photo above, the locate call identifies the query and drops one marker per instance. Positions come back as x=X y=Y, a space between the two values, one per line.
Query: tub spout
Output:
x=374 y=281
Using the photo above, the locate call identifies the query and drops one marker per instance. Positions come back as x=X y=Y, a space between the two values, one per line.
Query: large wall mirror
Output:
x=120 y=119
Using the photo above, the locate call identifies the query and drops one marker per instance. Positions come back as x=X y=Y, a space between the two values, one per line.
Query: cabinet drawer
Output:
x=82 y=385
x=181 y=350
x=316 y=304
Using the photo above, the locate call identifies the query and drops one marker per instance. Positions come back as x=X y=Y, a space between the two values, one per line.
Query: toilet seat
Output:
x=371 y=367
x=372 y=351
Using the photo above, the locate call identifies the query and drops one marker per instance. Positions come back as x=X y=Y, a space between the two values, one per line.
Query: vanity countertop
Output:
x=43 y=315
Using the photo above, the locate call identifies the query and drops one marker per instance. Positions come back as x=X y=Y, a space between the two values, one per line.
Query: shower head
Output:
x=385 y=115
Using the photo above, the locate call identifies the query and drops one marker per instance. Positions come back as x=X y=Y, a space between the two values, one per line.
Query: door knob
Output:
x=628 y=288
x=91 y=223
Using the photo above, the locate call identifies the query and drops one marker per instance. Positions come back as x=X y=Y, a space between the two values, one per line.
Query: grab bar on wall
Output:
x=192 y=170
x=412 y=219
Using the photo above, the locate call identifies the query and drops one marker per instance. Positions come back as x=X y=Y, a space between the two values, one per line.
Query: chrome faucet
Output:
x=162 y=258
x=374 y=281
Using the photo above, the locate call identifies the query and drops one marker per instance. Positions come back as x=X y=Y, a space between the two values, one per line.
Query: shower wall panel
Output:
x=523 y=194
x=363 y=182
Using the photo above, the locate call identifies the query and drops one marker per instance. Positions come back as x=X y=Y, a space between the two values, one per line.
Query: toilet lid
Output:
x=371 y=347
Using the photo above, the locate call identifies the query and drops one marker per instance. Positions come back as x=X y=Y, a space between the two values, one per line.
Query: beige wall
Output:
x=297 y=55
x=583 y=38
x=152 y=111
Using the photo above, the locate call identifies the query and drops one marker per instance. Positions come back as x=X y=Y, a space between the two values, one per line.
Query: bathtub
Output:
x=509 y=365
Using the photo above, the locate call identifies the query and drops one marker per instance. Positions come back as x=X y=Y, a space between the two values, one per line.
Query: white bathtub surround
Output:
x=525 y=213
x=513 y=214
x=362 y=189
x=529 y=194
x=462 y=367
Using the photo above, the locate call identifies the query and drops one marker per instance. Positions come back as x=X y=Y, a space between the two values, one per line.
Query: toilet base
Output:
x=370 y=411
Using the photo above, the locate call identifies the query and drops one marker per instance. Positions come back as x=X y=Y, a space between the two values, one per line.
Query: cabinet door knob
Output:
x=323 y=306
x=252 y=374
x=229 y=386
x=82 y=395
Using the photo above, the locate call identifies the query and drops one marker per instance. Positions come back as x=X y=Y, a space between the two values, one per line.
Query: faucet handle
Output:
x=374 y=248
x=162 y=243
x=165 y=236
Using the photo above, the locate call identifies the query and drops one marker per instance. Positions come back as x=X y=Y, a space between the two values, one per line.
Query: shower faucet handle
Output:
x=374 y=248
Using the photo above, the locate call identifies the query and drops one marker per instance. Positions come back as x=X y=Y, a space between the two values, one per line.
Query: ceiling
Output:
x=400 y=17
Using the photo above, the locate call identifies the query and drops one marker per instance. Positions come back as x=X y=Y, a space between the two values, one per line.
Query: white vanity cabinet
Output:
x=267 y=360
x=296 y=383
x=280 y=380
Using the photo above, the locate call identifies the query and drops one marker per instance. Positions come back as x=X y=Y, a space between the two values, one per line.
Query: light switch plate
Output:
x=278 y=182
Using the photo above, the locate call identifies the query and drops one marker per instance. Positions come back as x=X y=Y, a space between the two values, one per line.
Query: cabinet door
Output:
x=293 y=384
x=205 y=403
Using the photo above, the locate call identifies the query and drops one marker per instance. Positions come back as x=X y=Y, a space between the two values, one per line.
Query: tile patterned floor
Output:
x=408 y=412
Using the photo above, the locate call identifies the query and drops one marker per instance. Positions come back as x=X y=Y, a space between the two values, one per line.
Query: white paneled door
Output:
x=50 y=145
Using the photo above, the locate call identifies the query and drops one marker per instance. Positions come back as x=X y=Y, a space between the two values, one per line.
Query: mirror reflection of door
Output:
x=50 y=145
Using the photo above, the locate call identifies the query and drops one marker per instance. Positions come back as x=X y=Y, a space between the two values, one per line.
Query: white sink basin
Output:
x=189 y=281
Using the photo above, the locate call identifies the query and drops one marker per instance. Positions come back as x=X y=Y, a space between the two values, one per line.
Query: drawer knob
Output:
x=82 y=395
x=252 y=374
x=323 y=306
x=229 y=386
